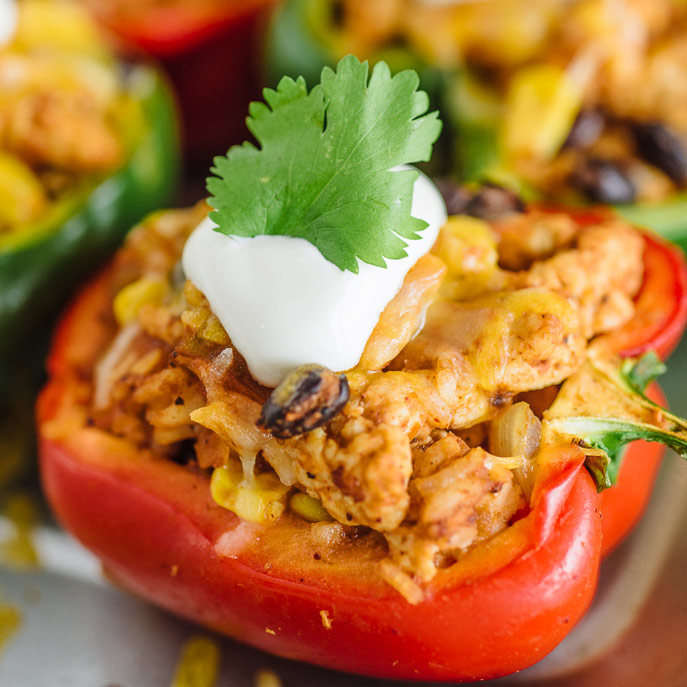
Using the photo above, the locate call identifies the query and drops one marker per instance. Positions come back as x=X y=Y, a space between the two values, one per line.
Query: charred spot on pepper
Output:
x=662 y=148
x=603 y=181
x=308 y=397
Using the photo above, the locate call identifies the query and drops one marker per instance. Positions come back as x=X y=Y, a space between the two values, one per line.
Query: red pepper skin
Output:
x=658 y=324
x=623 y=504
x=502 y=607
x=213 y=57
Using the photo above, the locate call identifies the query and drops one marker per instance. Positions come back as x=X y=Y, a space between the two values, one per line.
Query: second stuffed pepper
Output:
x=574 y=102
x=88 y=145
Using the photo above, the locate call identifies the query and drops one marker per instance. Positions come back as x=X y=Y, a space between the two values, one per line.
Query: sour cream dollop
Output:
x=283 y=304
x=8 y=20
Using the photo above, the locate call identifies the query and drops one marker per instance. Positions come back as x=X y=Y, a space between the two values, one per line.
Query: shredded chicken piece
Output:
x=600 y=274
x=403 y=315
x=474 y=356
x=532 y=236
x=460 y=504
x=59 y=129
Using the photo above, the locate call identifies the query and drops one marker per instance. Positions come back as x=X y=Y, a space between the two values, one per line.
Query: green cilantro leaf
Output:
x=323 y=171
x=638 y=374
x=602 y=407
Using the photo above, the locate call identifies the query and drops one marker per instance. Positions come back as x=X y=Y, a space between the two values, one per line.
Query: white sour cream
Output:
x=8 y=20
x=283 y=304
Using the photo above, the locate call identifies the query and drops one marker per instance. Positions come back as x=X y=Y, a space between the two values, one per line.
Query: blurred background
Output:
x=111 y=109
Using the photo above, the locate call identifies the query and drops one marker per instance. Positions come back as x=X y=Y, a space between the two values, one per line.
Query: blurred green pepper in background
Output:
x=40 y=264
x=69 y=191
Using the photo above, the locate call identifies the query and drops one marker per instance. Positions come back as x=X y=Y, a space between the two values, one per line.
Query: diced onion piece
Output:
x=517 y=432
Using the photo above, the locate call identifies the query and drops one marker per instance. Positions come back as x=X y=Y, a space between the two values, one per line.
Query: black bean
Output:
x=662 y=148
x=455 y=196
x=602 y=181
x=492 y=202
x=309 y=397
x=489 y=202
x=586 y=129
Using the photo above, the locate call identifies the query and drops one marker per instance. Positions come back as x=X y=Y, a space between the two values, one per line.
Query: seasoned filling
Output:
x=61 y=102
x=587 y=98
x=436 y=447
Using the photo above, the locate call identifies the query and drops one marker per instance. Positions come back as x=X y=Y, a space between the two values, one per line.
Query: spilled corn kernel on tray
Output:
x=88 y=632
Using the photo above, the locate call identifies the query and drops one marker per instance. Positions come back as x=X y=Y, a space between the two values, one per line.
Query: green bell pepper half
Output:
x=39 y=265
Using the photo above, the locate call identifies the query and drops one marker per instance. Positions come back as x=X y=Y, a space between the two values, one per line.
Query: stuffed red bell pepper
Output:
x=334 y=424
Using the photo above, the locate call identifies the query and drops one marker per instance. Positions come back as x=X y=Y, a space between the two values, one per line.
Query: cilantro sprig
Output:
x=323 y=169
x=603 y=407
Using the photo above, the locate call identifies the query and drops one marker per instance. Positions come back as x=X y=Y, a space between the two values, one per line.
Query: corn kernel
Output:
x=198 y=664
x=195 y=319
x=261 y=499
x=544 y=94
x=193 y=296
x=10 y=622
x=21 y=193
x=214 y=331
x=468 y=248
x=129 y=301
x=266 y=678
x=308 y=508
x=60 y=26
